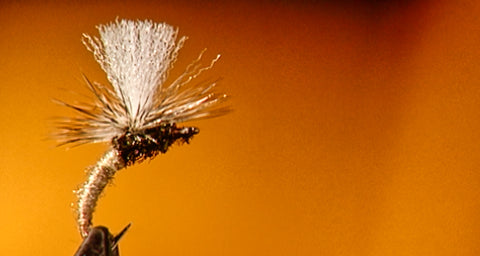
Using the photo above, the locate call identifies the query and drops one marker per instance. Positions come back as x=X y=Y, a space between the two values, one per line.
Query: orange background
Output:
x=355 y=131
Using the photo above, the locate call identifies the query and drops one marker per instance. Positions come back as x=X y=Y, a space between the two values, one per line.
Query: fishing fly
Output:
x=138 y=113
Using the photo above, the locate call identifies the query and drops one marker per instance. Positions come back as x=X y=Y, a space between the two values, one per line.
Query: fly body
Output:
x=136 y=113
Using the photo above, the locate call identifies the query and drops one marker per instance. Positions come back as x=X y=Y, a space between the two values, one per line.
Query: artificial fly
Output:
x=138 y=114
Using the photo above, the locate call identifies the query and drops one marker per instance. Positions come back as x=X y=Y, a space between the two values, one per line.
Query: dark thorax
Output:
x=136 y=146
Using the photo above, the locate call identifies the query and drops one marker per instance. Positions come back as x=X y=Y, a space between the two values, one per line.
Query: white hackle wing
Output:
x=136 y=56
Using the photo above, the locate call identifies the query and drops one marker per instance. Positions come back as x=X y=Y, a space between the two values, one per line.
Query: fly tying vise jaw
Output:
x=100 y=242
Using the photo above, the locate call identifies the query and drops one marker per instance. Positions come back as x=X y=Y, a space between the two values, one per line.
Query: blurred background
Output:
x=355 y=131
